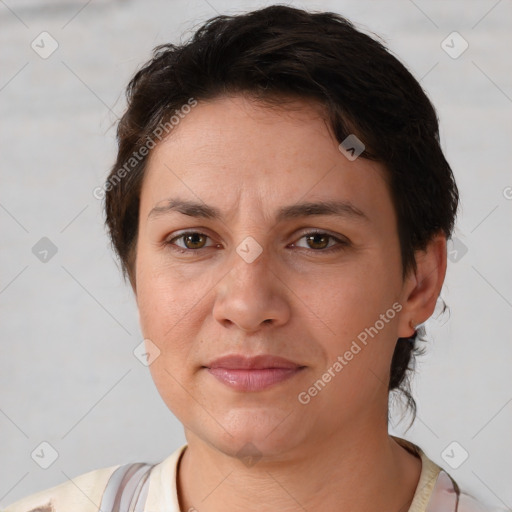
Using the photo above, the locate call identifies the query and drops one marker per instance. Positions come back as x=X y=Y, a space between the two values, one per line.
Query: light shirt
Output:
x=435 y=492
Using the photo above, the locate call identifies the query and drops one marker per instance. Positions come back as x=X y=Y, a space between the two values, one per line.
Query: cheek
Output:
x=360 y=308
x=358 y=354
x=169 y=318
x=164 y=299
x=172 y=310
x=157 y=308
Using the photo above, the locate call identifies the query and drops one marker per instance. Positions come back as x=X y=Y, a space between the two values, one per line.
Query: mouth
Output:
x=252 y=373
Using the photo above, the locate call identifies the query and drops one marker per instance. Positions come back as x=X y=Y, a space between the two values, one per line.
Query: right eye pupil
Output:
x=193 y=239
x=318 y=239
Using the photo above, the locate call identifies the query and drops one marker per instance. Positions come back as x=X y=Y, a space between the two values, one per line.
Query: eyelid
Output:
x=341 y=241
x=312 y=231
x=180 y=235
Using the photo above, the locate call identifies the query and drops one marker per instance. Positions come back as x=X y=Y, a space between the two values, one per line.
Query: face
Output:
x=250 y=270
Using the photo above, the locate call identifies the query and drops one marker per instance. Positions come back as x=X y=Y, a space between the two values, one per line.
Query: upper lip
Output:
x=240 y=362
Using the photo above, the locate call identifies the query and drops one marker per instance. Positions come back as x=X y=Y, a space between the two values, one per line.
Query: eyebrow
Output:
x=195 y=209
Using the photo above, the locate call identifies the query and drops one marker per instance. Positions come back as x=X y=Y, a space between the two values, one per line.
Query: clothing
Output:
x=436 y=490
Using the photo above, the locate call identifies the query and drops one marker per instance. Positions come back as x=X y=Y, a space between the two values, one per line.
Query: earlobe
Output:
x=422 y=288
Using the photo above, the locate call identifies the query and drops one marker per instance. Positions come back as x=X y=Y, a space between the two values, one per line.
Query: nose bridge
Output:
x=251 y=264
x=250 y=271
x=250 y=294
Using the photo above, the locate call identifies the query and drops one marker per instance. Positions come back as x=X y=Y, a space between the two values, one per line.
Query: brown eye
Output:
x=318 y=241
x=191 y=240
x=321 y=242
x=194 y=240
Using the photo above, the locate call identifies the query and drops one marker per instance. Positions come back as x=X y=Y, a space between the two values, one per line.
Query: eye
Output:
x=191 y=240
x=318 y=241
x=321 y=242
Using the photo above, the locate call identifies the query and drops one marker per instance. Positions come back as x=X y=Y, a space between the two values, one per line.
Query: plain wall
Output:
x=69 y=325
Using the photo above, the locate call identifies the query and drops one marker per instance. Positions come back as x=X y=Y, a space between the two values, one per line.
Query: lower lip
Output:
x=253 y=380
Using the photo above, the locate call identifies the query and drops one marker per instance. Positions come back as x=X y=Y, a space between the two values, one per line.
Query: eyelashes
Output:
x=187 y=235
x=311 y=235
x=317 y=237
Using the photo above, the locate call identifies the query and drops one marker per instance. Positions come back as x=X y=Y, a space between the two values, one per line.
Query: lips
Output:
x=238 y=362
x=252 y=373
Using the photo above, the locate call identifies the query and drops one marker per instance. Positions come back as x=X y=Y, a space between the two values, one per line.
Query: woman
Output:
x=280 y=204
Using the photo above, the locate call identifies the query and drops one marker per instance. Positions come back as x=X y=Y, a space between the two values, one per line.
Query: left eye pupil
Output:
x=193 y=239
x=324 y=241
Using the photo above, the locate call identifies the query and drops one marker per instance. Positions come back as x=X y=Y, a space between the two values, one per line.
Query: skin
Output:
x=295 y=300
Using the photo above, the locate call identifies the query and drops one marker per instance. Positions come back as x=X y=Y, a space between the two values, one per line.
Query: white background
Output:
x=69 y=326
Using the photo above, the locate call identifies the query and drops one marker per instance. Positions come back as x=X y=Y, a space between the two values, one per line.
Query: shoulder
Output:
x=448 y=495
x=79 y=494
x=438 y=491
x=468 y=503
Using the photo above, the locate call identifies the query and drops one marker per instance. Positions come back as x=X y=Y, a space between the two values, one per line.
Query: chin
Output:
x=246 y=436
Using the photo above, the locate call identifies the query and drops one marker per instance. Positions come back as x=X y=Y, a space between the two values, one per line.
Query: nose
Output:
x=251 y=295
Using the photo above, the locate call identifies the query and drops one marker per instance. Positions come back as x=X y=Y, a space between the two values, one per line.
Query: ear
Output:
x=421 y=288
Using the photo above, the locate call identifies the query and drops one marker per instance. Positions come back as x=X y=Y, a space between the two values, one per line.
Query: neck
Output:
x=364 y=472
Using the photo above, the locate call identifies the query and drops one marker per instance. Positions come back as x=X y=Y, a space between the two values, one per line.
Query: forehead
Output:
x=233 y=151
